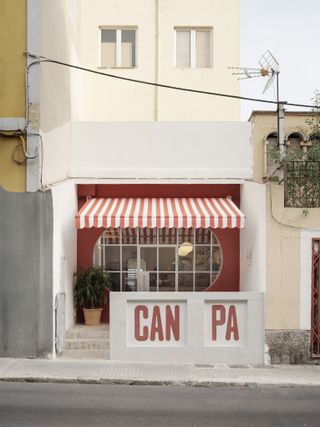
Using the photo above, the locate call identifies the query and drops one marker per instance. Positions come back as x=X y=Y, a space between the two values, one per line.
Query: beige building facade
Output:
x=289 y=234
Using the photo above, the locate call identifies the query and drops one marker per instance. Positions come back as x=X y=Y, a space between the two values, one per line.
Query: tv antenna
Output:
x=269 y=67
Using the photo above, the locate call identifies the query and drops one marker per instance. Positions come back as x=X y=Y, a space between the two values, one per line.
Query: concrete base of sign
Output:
x=202 y=327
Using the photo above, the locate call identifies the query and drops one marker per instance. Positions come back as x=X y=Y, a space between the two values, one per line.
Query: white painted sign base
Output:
x=177 y=327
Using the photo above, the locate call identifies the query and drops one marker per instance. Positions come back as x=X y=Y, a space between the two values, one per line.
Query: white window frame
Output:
x=158 y=245
x=118 y=45
x=193 y=44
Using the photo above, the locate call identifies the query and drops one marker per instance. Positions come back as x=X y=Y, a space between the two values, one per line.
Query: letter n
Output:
x=172 y=323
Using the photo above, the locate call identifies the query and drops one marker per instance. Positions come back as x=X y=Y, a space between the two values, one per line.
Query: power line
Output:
x=43 y=59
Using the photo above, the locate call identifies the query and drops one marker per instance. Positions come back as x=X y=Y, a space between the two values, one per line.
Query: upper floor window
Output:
x=118 y=48
x=193 y=47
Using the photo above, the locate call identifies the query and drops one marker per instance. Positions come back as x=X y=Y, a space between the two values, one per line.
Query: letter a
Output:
x=156 y=325
x=232 y=324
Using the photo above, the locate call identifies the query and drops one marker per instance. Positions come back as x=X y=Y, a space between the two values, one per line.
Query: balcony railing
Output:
x=302 y=184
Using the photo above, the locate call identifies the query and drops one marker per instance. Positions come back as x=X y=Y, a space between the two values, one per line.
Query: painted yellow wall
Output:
x=12 y=86
x=284 y=281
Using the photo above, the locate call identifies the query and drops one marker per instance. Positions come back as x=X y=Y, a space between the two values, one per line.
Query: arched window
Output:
x=294 y=143
x=165 y=259
x=270 y=153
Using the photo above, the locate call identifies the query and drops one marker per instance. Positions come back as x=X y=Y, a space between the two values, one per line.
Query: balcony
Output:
x=302 y=184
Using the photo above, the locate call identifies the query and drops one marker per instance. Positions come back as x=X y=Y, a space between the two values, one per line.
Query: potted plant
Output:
x=90 y=293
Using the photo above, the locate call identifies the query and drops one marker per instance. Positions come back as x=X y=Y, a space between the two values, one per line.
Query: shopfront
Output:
x=162 y=244
x=173 y=254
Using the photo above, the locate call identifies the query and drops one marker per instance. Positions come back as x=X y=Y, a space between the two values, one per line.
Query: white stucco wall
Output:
x=161 y=150
x=64 y=244
x=253 y=238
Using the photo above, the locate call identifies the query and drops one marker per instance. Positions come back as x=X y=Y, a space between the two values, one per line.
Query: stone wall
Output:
x=288 y=346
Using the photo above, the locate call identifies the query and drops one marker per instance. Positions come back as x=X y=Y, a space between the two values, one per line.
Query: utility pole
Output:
x=280 y=126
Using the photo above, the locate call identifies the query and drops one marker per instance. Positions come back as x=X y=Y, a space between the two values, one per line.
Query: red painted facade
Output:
x=228 y=280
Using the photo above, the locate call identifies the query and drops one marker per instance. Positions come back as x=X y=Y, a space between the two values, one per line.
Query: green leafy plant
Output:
x=90 y=287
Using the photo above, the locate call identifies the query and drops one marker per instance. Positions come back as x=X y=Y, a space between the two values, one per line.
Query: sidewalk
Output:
x=116 y=372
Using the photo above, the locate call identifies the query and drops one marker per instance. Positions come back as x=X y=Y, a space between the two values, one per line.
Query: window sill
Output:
x=116 y=68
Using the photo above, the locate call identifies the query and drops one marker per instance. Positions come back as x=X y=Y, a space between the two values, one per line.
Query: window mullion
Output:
x=118 y=48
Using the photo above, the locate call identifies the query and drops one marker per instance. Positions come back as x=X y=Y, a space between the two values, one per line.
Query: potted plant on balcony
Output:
x=90 y=293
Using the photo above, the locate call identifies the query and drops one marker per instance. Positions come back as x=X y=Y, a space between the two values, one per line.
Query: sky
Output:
x=290 y=29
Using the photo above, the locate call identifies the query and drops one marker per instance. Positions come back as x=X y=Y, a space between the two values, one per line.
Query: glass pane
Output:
x=148 y=259
x=182 y=48
x=203 y=236
x=166 y=282
x=147 y=236
x=203 y=49
x=214 y=278
x=130 y=281
x=108 y=48
x=98 y=256
x=203 y=258
x=153 y=282
x=214 y=239
x=167 y=236
x=128 y=48
x=115 y=278
x=167 y=259
x=202 y=281
x=129 y=258
x=186 y=235
x=111 y=237
x=216 y=259
x=185 y=282
x=111 y=258
x=129 y=236
x=185 y=263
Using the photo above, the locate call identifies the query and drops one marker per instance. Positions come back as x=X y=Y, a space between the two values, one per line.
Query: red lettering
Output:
x=172 y=323
x=217 y=322
x=156 y=325
x=137 y=327
x=232 y=324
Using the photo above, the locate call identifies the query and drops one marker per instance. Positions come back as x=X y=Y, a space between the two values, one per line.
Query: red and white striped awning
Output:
x=160 y=212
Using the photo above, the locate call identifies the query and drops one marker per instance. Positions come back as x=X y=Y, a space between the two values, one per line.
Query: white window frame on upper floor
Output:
x=118 y=30
x=193 y=54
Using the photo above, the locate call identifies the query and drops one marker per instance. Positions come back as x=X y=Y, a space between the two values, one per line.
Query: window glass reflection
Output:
x=202 y=258
x=167 y=259
x=166 y=282
x=148 y=259
x=185 y=282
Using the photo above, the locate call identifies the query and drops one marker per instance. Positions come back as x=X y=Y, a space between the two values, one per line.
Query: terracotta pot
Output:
x=92 y=316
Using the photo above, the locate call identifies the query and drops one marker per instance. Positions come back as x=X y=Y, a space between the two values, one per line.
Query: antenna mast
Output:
x=269 y=67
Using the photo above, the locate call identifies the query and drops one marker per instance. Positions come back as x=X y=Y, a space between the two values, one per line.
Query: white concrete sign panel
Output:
x=203 y=327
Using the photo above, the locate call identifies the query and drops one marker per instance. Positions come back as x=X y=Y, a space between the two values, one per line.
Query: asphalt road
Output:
x=103 y=405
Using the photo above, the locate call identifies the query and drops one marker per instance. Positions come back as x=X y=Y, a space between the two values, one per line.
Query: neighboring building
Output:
x=292 y=239
x=144 y=169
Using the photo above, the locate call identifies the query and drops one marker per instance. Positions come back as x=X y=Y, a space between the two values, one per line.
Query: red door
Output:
x=315 y=299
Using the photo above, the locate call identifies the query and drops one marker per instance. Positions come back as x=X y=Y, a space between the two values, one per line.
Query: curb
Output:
x=135 y=382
